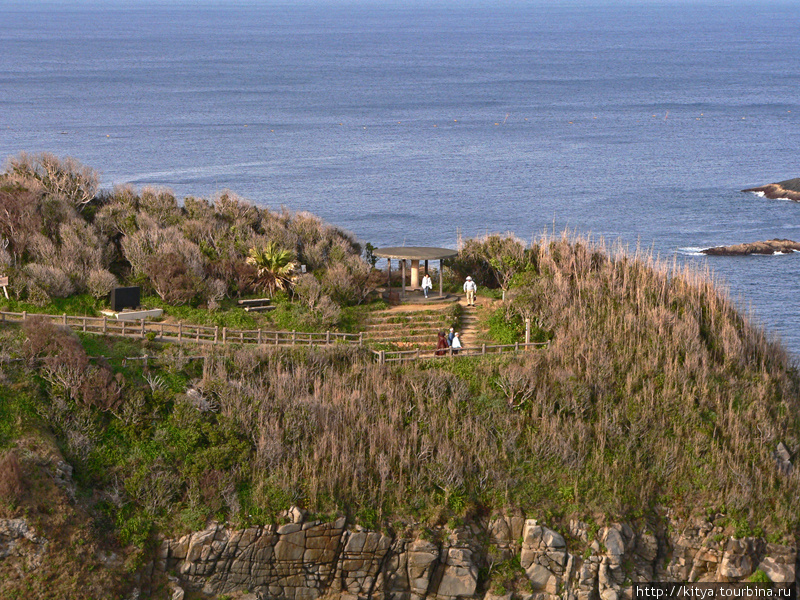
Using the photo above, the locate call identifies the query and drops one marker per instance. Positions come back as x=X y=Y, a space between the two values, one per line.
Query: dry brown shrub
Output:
x=20 y=220
x=100 y=282
x=171 y=278
x=52 y=280
x=102 y=389
x=161 y=205
x=65 y=361
x=12 y=482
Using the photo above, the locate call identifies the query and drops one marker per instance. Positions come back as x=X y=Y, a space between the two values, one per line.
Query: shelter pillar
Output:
x=414 y=273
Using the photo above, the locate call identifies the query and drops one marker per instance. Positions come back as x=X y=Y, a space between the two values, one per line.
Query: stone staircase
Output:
x=408 y=328
x=469 y=333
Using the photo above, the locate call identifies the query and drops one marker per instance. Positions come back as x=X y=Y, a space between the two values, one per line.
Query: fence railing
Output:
x=204 y=334
x=387 y=356
x=184 y=332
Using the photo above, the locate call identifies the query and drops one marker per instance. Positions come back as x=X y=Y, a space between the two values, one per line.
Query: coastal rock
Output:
x=17 y=539
x=783 y=459
x=777 y=246
x=788 y=190
x=316 y=560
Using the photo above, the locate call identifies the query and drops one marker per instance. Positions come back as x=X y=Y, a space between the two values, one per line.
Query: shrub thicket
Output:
x=59 y=240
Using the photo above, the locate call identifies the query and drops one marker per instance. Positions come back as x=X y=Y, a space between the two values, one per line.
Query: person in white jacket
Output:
x=427 y=284
x=470 y=288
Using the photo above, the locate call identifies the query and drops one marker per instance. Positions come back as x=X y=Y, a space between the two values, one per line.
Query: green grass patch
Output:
x=83 y=305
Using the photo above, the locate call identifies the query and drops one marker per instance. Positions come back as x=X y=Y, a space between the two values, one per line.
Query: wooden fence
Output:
x=203 y=334
x=386 y=356
x=183 y=332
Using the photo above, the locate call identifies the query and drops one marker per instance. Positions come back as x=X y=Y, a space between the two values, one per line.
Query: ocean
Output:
x=415 y=122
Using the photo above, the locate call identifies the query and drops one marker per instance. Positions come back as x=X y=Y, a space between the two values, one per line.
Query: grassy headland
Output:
x=655 y=394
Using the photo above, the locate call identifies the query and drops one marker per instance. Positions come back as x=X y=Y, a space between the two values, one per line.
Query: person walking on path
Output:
x=456 y=345
x=441 y=344
x=427 y=284
x=470 y=288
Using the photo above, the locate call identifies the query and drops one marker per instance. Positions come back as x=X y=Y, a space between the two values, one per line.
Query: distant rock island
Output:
x=766 y=247
x=789 y=189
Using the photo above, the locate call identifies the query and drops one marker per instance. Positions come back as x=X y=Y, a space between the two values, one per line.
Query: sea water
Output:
x=414 y=122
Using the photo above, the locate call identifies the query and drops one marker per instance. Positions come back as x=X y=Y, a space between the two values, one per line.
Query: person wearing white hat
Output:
x=456 y=345
x=470 y=288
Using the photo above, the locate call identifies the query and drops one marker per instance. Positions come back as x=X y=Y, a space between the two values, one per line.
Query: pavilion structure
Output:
x=415 y=254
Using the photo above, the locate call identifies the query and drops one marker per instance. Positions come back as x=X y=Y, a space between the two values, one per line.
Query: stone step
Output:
x=419 y=339
x=385 y=335
x=406 y=323
x=402 y=322
x=409 y=312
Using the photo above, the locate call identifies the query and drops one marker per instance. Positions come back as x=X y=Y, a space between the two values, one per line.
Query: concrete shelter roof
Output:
x=415 y=252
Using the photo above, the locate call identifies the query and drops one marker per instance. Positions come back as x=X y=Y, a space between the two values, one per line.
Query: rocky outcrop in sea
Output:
x=788 y=190
x=765 y=247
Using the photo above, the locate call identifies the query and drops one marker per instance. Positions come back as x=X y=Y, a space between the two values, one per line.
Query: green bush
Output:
x=506 y=329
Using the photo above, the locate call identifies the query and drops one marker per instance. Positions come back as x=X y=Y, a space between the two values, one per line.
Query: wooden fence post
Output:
x=65 y=319
x=180 y=331
x=259 y=336
x=216 y=333
x=483 y=348
x=24 y=315
x=143 y=327
x=516 y=346
x=105 y=324
x=527 y=330
x=360 y=338
x=382 y=357
x=294 y=336
x=224 y=335
x=123 y=329
x=327 y=337
x=84 y=324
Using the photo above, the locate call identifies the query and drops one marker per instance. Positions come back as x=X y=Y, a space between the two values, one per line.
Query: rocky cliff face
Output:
x=310 y=560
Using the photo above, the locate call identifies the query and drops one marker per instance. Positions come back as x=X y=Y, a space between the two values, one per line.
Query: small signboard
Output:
x=4 y=283
x=124 y=297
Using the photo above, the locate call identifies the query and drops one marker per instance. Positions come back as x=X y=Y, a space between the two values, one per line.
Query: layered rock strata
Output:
x=306 y=561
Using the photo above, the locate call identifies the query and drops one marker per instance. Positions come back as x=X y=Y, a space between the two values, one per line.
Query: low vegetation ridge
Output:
x=655 y=395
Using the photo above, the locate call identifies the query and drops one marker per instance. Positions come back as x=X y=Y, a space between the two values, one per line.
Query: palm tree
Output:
x=274 y=266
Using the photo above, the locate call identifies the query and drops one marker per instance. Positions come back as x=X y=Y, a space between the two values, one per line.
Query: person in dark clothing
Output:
x=441 y=344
